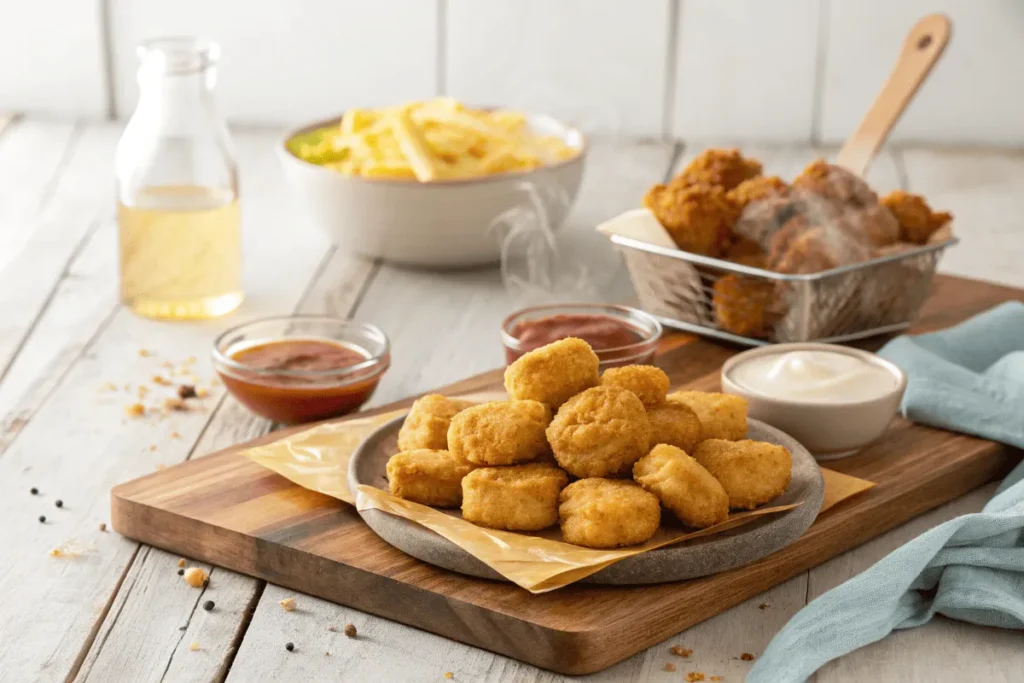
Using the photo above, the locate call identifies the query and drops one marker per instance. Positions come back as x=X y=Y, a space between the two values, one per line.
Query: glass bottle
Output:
x=179 y=223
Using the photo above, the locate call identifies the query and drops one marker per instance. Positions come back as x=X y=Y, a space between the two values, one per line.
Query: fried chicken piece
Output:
x=756 y=189
x=722 y=416
x=747 y=252
x=430 y=477
x=725 y=168
x=683 y=486
x=699 y=218
x=674 y=424
x=743 y=305
x=600 y=432
x=553 y=373
x=500 y=432
x=835 y=182
x=801 y=247
x=426 y=425
x=607 y=513
x=752 y=472
x=916 y=219
x=517 y=498
x=874 y=223
x=649 y=383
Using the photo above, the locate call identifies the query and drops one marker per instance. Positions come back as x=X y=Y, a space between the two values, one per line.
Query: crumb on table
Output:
x=194 y=646
x=350 y=630
x=669 y=666
x=135 y=410
x=195 y=577
x=717 y=678
x=747 y=657
x=288 y=604
x=449 y=674
x=694 y=676
x=680 y=651
x=181 y=562
x=763 y=605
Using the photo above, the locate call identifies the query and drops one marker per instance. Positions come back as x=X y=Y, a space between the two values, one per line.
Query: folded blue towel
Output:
x=969 y=378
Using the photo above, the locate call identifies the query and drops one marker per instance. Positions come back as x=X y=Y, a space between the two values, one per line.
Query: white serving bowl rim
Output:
x=569 y=134
x=776 y=349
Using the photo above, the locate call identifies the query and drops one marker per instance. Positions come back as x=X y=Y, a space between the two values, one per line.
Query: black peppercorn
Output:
x=59 y=503
x=186 y=391
x=42 y=519
x=34 y=491
x=290 y=647
x=208 y=605
x=181 y=572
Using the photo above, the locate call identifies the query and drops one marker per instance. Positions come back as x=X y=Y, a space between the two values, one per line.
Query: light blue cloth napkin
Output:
x=969 y=378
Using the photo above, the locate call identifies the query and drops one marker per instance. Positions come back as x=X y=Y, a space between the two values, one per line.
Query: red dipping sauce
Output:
x=618 y=334
x=296 y=380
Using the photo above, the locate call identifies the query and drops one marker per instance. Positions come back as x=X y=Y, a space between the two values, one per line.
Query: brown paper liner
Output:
x=317 y=459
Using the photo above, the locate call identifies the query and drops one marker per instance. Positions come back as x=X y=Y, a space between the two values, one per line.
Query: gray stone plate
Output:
x=686 y=560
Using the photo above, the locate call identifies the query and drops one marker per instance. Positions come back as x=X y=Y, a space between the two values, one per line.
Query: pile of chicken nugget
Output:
x=598 y=454
x=722 y=206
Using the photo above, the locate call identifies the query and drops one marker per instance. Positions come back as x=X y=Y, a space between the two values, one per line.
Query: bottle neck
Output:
x=178 y=92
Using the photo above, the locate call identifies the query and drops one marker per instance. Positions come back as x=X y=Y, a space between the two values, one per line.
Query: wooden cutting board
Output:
x=227 y=511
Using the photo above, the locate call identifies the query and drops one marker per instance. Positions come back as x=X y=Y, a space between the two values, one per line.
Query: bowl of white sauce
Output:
x=833 y=399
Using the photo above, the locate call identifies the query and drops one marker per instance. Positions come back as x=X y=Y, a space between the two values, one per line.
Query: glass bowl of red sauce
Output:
x=619 y=335
x=294 y=369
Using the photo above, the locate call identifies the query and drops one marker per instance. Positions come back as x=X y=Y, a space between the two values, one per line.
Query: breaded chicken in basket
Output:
x=553 y=373
x=752 y=472
x=649 y=383
x=698 y=218
x=426 y=425
x=500 y=432
x=725 y=168
x=600 y=432
x=722 y=416
x=430 y=477
x=916 y=219
x=607 y=513
x=745 y=305
x=674 y=424
x=517 y=498
x=683 y=486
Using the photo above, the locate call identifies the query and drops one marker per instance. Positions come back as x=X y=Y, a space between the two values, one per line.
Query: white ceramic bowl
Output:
x=440 y=225
x=828 y=430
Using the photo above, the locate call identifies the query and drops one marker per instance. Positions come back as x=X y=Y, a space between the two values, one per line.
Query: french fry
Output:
x=414 y=147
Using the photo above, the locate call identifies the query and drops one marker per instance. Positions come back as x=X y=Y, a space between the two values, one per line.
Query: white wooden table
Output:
x=119 y=612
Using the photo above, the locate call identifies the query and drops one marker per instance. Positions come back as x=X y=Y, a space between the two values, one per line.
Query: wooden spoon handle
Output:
x=921 y=49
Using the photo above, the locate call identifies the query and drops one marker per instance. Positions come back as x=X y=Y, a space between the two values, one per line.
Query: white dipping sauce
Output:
x=826 y=376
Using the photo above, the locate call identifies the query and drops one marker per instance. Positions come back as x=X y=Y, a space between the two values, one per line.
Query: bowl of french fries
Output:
x=427 y=183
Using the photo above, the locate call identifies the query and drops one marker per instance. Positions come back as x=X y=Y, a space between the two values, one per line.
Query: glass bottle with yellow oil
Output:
x=177 y=186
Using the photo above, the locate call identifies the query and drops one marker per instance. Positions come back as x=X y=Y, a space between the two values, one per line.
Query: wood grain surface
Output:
x=225 y=510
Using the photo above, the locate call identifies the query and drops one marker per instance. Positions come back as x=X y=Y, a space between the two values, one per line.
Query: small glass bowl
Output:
x=294 y=396
x=646 y=328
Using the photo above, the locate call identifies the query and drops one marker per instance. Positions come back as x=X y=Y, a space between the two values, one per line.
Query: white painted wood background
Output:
x=747 y=70
x=120 y=613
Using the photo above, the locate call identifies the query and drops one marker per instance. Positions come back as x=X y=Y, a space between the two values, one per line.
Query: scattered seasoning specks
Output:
x=186 y=391
x=350 y=630
x=42 y=519
x=34 y=491
x=181 y=572
x=208 y=605
x=59 y=503
x=763 y=605
x=103 y=526
x=747 y=657
x=290 y=647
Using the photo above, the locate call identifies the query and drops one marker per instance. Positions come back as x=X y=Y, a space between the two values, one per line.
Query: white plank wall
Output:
x=746 y=70
x=598 y=63
x=291 y=62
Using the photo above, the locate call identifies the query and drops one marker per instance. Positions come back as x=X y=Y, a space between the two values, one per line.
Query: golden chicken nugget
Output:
x=430 y=477
x=752 y=472
x=517 y=498
x=698 y=218
x=607 y=513
x=500 y=432
x=600 y=432
x=683 y=486
x=744 y=305
x=674 y=424
x=916 y=219
x=553 y=373
x=722 y=416
x=725 y=168
x=746 y=251
x=649 y=383
x=426 y=425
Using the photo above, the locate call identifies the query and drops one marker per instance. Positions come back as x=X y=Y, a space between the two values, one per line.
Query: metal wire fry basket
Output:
x=755 y=307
